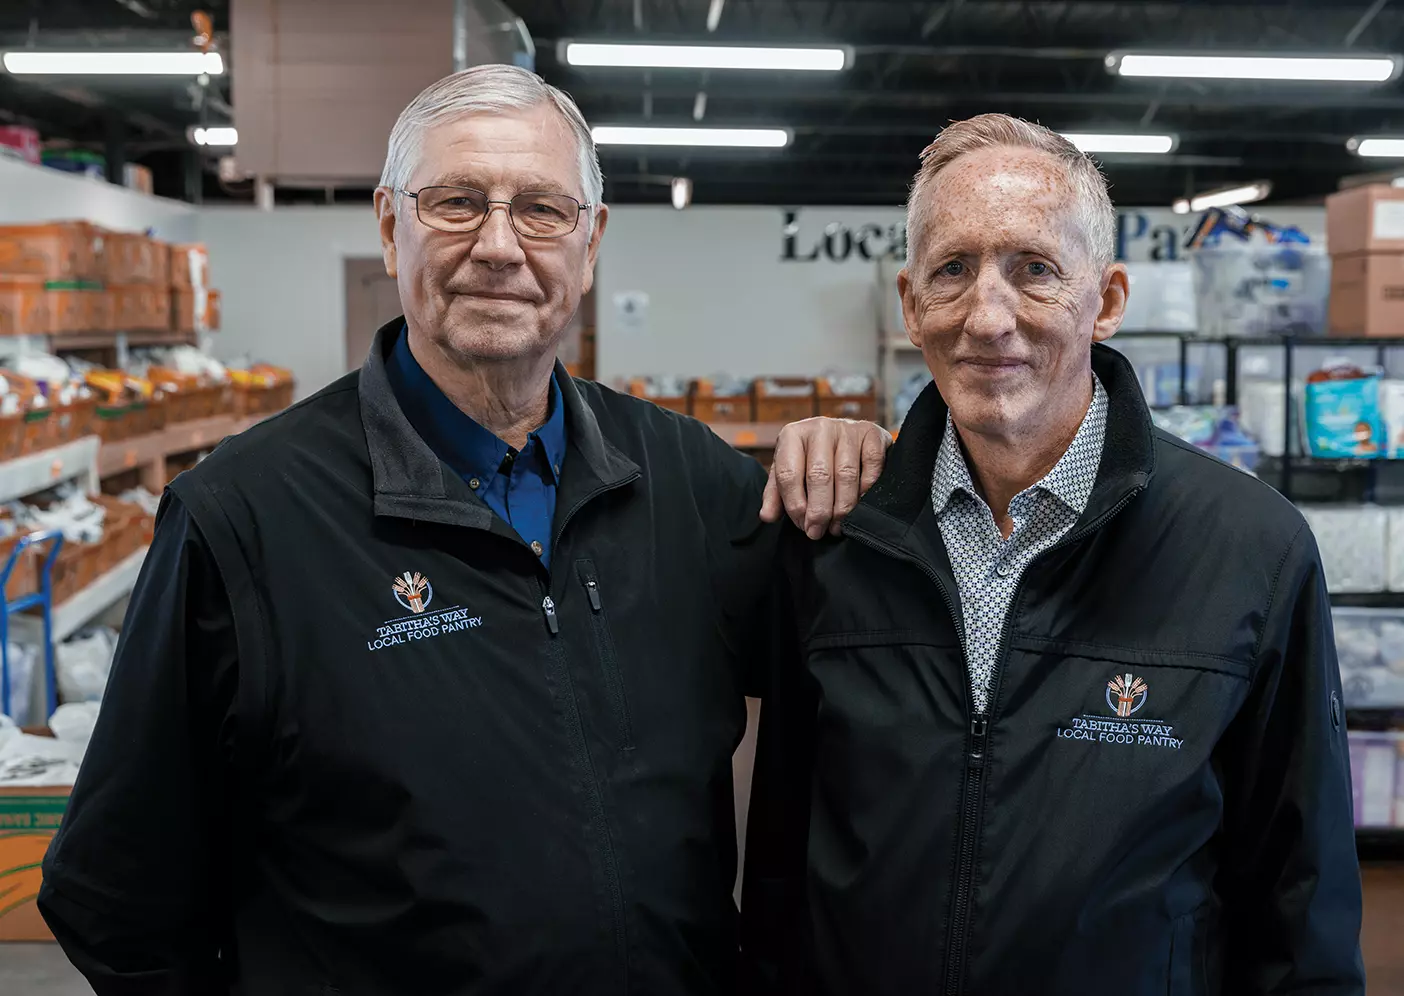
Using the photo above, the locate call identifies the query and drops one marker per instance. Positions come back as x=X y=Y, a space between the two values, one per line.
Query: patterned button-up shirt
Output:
x=987 y=566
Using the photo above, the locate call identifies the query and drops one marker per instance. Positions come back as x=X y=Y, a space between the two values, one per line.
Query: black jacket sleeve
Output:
x=1290 y=881
x=135 y=881
x=773 y=917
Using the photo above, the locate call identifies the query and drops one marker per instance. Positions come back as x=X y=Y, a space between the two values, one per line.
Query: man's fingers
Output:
x=875 y=443
x=848 y=457
x=771 y=506
x=787 y=471
x=819 y=478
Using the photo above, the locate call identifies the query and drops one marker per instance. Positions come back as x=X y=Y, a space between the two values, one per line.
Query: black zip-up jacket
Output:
x=301 y=783
x=1186 y=832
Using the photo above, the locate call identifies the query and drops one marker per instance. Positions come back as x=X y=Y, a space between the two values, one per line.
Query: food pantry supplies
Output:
x=1377 y=778
x=1343 y=412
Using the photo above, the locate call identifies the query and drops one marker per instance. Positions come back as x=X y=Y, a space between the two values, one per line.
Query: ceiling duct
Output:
x=317 y=84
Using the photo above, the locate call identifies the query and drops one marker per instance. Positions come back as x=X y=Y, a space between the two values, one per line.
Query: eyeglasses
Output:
x=462 y=210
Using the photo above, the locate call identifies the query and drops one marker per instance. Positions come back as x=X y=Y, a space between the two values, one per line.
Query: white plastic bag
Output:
x=23 y=660
x=83 y=663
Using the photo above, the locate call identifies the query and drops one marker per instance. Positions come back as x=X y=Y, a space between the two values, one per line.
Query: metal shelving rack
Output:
x=1285 y=474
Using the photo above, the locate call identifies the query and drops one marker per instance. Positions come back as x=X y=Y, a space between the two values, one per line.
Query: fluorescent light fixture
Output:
x=1304 y=68
x=1388 y=148
x=215 y=136
x=1243 y=194
x=703 y=57
x=27 y=62
x=717 y=138
x=682 y=192
x=1181 y=206
x=1135 y=144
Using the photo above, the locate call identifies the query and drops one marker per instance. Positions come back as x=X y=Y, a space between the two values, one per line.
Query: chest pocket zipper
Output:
x=609 y=660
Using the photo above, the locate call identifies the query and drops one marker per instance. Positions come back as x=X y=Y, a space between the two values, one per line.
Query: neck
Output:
x=1003 y=465
x=510 y=398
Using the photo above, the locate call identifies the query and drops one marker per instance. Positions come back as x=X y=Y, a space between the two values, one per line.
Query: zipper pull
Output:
x=979 y=727
x=593 y=590
x=552 y=623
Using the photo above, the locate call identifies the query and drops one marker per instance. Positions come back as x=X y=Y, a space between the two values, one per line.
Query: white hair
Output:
x=986 y=131
x=489 y=89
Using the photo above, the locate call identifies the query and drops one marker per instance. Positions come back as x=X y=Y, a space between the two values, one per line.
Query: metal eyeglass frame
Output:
x=511 y=219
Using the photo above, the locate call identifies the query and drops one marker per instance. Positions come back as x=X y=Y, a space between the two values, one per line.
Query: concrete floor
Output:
x=38 y=970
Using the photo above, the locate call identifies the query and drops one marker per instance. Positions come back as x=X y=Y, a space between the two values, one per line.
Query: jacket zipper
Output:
x=976 y=758
x=609 y=664
x=599 y=820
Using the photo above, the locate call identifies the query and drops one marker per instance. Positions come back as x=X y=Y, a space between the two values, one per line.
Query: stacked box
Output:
x=1365 y=236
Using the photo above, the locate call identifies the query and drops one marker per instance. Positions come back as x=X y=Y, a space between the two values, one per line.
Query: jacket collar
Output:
x=411 y=482
x=903 y=492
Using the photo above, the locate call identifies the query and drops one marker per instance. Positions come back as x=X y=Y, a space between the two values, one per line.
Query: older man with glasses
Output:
x=431 y=684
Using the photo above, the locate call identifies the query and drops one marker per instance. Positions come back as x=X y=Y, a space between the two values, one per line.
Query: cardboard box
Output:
x=1365 y=219
x=835 y=403
x=29 y=817
x=133 y=258
x=194 y=310
x=24 y=307
x=66 y=250
x=141 y=308
x=190 y=265
x=1367 y=295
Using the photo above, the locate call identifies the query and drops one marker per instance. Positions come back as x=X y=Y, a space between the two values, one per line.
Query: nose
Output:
x=994 y=305
x=497 y=245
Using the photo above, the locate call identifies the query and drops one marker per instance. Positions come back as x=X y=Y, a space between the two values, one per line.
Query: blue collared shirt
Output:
x=520 y=486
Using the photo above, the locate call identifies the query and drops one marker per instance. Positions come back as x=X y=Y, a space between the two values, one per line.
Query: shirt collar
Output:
x=468 y=448
x=1070 y=481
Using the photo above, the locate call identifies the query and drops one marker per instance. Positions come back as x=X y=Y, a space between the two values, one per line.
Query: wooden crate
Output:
x=784 y=399
x=708 y=406
x=24 y=577
x=856 y=406
x=681 y=403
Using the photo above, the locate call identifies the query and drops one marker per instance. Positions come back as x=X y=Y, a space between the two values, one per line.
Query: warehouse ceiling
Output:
x=856 y=133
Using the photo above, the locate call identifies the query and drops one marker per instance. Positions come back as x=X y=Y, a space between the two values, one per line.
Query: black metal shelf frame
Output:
x=1290 y=462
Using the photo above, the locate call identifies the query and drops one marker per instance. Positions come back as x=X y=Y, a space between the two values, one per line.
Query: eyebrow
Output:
x=531 y=184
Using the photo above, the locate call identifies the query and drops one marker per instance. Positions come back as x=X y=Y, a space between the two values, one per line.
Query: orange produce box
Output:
x=134 y=258
x=65 y=250
x=784 y=399
x=24 y=307
x=213 y=310
x=29 y=817
x=190 y=265
x=709 y=406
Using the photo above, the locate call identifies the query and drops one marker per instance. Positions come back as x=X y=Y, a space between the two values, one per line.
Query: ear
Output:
x=592 y=252
x=909 y=309
x=385 y=215
x=1116 y=288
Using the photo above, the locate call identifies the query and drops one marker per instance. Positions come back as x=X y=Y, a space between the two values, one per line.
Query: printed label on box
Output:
x=1389 y=220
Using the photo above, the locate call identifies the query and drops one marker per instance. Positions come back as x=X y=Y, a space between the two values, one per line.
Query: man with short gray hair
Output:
x=1067 y=715
x=431 y=684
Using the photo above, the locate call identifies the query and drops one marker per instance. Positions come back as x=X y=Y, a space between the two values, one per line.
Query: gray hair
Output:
x=985 y=131
x=490 y=89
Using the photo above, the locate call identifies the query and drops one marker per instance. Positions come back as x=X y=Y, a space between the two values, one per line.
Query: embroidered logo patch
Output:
x=414 y=593
x=1125 y=696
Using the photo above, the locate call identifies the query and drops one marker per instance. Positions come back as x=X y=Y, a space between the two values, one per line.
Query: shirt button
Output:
x=1004 y=570
x=556 y=469
x=537 y=548
x=475 y=484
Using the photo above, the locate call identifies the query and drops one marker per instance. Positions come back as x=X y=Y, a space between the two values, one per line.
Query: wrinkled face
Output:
x=491 y=295
x=1004 y=296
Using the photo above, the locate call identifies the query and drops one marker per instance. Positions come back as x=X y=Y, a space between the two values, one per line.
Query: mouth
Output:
x=994 y=365
x=495 y=296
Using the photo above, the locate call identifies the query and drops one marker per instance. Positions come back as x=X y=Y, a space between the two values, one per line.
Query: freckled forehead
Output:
x=1002 y=191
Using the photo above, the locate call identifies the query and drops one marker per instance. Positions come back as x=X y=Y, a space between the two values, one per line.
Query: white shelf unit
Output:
x=40 y=471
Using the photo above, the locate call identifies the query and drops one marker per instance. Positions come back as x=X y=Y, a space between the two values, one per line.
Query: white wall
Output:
x=281 y=275
x=720 y=298
x=31 y=194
